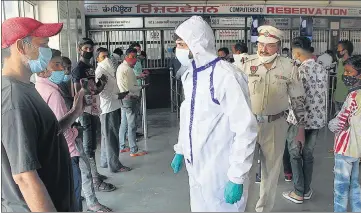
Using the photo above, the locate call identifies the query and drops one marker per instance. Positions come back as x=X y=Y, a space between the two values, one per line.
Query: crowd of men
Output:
x=40 y=172
x=49 y=130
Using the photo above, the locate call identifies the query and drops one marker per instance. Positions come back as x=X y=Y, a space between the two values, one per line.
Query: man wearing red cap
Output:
x=35 y=162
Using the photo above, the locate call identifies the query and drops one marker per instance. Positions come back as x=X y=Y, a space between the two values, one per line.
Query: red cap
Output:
x=20 y=27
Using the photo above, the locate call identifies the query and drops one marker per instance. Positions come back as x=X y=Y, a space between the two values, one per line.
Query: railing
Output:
x=175 y=92
x=144 y=113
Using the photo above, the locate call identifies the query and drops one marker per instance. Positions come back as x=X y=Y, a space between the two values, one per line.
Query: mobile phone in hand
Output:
x=88 y=99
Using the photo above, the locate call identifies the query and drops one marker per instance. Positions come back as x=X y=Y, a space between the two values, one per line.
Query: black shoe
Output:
x=258 y=178
x=138 y=134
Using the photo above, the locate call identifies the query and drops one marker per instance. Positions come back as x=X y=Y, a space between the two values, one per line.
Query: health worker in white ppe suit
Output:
x=217 y=127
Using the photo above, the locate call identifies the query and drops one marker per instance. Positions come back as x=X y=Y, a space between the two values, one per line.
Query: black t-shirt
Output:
x=65 y=88
x=30 y=141
x=82 y=70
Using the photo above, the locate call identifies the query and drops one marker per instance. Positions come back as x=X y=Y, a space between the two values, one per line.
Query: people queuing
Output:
x=47 y=153
x=36 y=165
x=127 y=82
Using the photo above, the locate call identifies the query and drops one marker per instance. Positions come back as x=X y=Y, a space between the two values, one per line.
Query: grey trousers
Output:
x=302 y=162
x=86 y=175
x=110 y=123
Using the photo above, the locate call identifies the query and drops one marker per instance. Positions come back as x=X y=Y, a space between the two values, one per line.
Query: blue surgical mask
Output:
x=42 y=62
x=66 y=78
x=57 y=77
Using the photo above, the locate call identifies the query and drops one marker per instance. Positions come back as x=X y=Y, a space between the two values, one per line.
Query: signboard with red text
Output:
x=214 y=9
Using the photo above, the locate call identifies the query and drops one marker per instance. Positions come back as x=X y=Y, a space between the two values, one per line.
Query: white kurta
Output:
x=217 y=128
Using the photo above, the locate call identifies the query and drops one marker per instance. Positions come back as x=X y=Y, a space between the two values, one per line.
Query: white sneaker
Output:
x=308 y=195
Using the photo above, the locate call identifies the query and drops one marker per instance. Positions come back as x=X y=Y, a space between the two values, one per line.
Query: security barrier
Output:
x=176 y=93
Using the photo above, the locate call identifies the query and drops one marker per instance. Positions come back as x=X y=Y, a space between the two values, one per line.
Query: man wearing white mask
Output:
x=272 y=82
x=217 y=128
x=110 y=102
x=240 y=53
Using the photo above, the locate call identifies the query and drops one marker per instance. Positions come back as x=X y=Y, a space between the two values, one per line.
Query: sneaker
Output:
x=291 y=196
x=308 y=195
x=288 y=177
x=126 y=149
x=258 y=179
x=138 y=153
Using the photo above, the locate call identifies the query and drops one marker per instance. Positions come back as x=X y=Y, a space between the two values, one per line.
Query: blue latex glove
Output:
x=177 y=163
x=233 y=192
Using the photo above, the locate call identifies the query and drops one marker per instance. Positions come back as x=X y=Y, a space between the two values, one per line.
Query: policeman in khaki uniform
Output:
x=272 y=81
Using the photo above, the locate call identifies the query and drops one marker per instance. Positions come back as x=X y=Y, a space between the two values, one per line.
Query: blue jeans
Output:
x=89 y=123
x=77 y=184
x=346 y=184
x=128 y=124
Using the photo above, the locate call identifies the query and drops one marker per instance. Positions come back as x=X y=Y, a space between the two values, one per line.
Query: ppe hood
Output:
x=199 y=37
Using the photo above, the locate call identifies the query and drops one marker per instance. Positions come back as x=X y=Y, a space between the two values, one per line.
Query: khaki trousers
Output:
x=271 y=140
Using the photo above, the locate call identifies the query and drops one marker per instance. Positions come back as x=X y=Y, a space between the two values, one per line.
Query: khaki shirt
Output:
x=271 y=90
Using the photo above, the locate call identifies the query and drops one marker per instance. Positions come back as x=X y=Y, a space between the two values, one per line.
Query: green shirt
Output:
x=341 y=89
x=138 y=70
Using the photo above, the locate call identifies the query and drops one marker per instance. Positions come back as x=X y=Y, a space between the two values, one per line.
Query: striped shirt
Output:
x=347 y=126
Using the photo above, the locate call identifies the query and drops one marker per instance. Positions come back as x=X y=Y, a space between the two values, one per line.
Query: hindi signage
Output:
x=222 y=9
x=229 y=22
x=280 y=23
x=228 y=35
x=108 y=23
x=163 y=22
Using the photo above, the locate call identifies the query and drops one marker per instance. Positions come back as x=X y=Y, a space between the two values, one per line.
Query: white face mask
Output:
x=266 y=59
x=183 y=56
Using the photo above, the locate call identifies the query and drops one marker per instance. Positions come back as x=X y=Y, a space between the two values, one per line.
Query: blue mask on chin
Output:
x=42 y=62
x=57 y=77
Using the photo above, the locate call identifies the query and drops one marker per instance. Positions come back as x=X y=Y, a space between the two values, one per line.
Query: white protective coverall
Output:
x=217 y=127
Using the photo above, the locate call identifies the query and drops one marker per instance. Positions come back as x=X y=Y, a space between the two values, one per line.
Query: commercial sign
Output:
x=229 y=22
x=163 y=22
x=350 y=23
x=222 y=9
x=107 y=23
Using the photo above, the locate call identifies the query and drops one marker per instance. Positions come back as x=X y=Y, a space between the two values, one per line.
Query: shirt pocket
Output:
x=279 y=85
x=255 y=84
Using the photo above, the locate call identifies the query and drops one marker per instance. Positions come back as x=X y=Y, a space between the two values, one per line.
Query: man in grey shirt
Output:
x=35 y=162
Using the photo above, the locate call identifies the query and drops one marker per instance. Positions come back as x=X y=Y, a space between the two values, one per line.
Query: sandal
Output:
x=101 y=208
x=124 y=169
x=104 y=187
